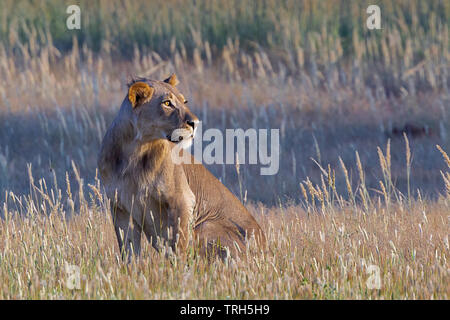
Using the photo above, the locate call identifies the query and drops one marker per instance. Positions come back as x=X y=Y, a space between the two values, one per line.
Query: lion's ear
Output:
x=172 y=80
x=139 y=93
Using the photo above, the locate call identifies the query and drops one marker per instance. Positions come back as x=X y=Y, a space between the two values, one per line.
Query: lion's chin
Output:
x=185 y=143
x=181 y=137
x=182 y=142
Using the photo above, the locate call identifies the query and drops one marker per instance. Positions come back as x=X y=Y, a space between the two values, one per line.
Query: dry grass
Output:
x=320 y=251
x=335 y=91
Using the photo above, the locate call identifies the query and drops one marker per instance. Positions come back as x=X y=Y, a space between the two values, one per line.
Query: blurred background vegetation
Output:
x=309 y=68
x=280 y=27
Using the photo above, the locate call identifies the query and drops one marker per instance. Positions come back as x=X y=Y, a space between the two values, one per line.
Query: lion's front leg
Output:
x=179 y=222
x=128 y=235
x=170 y=227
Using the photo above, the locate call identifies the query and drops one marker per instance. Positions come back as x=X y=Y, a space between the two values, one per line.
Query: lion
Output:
x=174 y=204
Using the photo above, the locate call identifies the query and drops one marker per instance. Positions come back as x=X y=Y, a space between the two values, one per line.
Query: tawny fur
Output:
x=180 y=204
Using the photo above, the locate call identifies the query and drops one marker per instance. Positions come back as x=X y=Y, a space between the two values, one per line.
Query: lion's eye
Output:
x=185 y=101
x=167 y=103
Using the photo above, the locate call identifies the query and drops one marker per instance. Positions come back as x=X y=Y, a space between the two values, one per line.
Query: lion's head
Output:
x=161 y=111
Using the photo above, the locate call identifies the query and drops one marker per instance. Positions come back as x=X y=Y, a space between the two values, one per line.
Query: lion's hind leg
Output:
x=211 y=244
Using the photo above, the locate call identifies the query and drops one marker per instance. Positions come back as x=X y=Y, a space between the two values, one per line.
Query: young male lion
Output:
x=151 y=192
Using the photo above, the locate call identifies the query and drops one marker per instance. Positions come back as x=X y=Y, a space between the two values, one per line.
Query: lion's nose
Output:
x=191 y=123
